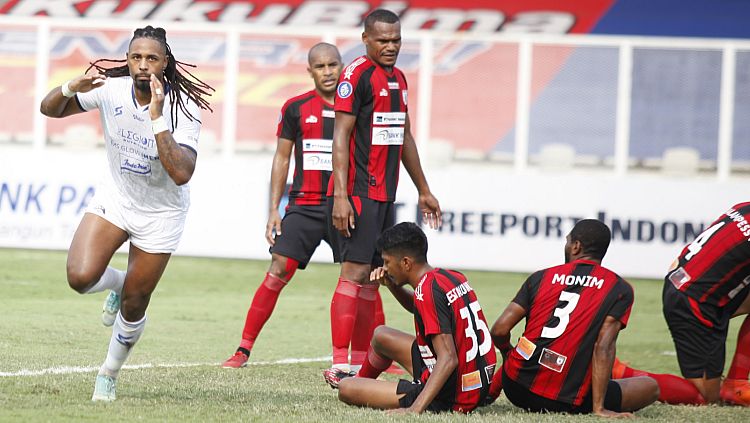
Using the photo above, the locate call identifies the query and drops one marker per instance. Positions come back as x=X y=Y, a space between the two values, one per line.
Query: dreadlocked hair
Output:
x=176 y=74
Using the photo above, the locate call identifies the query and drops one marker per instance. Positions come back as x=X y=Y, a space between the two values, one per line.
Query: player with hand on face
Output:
x=150 y=113
x=573 y=313
x=451 y=358
x=305 y=127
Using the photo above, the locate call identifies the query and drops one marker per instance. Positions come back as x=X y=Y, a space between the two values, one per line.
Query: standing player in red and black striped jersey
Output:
x=305 y=126
x=372 y=137
x=708 y=284
x=573 y=312
x=451 y=358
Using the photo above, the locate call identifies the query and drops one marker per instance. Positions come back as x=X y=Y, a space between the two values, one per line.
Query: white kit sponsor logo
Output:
x=317 y=161
x=311 y=119
x=383 y=92
x=329 y=114
x=314 y=144
x=389 y=118
x=387 y=136
x=393 y=86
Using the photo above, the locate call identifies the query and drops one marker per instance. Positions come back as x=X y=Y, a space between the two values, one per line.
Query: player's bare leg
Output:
x=638 y=392
x=369 y=393
x=94 y=243
x=280 y=272
x=88 y=270
x=144 y=271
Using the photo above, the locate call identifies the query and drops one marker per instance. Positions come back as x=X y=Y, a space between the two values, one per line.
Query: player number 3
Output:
x=471 y=333
x=562 y=313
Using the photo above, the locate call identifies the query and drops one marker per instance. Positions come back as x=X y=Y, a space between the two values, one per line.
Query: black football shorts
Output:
x=302 y=229
x=371 y=219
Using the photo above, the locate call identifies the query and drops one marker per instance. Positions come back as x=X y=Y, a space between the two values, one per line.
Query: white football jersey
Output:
x=135 y=171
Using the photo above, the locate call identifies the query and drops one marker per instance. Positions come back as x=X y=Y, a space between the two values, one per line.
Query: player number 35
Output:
x=471 y=332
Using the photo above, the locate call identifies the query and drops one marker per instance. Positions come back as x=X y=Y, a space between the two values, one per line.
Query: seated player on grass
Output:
x=573 y=312
x=708 y=285
x=451 y=357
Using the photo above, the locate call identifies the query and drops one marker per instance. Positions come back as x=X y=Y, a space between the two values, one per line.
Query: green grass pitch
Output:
x=51 y=342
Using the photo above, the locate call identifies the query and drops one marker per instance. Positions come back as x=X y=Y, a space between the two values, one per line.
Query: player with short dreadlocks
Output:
x=144 y=197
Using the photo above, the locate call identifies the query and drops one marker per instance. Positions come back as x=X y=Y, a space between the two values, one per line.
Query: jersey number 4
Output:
x=562 y=313
x=471 y=333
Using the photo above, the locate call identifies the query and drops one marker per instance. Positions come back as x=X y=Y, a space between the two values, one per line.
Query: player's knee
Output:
x=653 y=390
x=346 y=391
x=379 y=336
x=81 y=279
x=283 y=267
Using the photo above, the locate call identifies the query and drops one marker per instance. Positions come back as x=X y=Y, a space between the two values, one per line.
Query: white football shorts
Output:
x=155 y=234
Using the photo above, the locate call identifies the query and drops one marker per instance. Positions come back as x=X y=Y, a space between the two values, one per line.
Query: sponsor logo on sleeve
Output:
x=350 y=69
x=388 y=136
x=344 y=89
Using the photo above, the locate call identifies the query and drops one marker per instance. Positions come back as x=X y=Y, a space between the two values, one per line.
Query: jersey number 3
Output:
x=471 y=333
x=562 y=313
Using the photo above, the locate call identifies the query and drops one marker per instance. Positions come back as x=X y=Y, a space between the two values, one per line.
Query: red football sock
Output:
x=343 y=314
x=379 y=314
x=740 y=367
x=363 y=325
x=261 y=308
x=672 y=389
x=374 y=365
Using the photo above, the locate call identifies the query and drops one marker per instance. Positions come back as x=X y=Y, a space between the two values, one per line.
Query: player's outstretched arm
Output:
x=60 y=103
x=601 y=366
x=428 y=204
x=446 y=361
x=178 y=161
x=404 y=296
x=343 y=214
x=279 y=172
x=500 y=331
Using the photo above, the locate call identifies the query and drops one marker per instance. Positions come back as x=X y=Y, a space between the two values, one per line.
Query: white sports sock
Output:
x=111 y=279
x=124 y=336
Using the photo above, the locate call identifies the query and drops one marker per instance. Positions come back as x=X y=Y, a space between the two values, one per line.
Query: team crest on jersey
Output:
x=344 y=90
x=311 y=119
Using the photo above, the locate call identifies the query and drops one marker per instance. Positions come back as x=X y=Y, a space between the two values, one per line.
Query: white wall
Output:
x=496 y=218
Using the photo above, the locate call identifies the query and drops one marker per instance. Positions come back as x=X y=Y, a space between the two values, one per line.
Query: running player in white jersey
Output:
x=150 y=114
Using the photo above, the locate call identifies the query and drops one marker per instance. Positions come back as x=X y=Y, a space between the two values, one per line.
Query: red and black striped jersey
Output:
x=715 y=267
x=307 y=120
x=444 y=302
x=565 y=308
x=378 y=101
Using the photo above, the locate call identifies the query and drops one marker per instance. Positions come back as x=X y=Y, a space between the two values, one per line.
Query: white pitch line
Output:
x=64 y=370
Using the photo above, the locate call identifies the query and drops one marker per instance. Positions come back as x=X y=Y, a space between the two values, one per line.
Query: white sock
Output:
x=111 y=279
x=355 y=368
x=124 y=336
